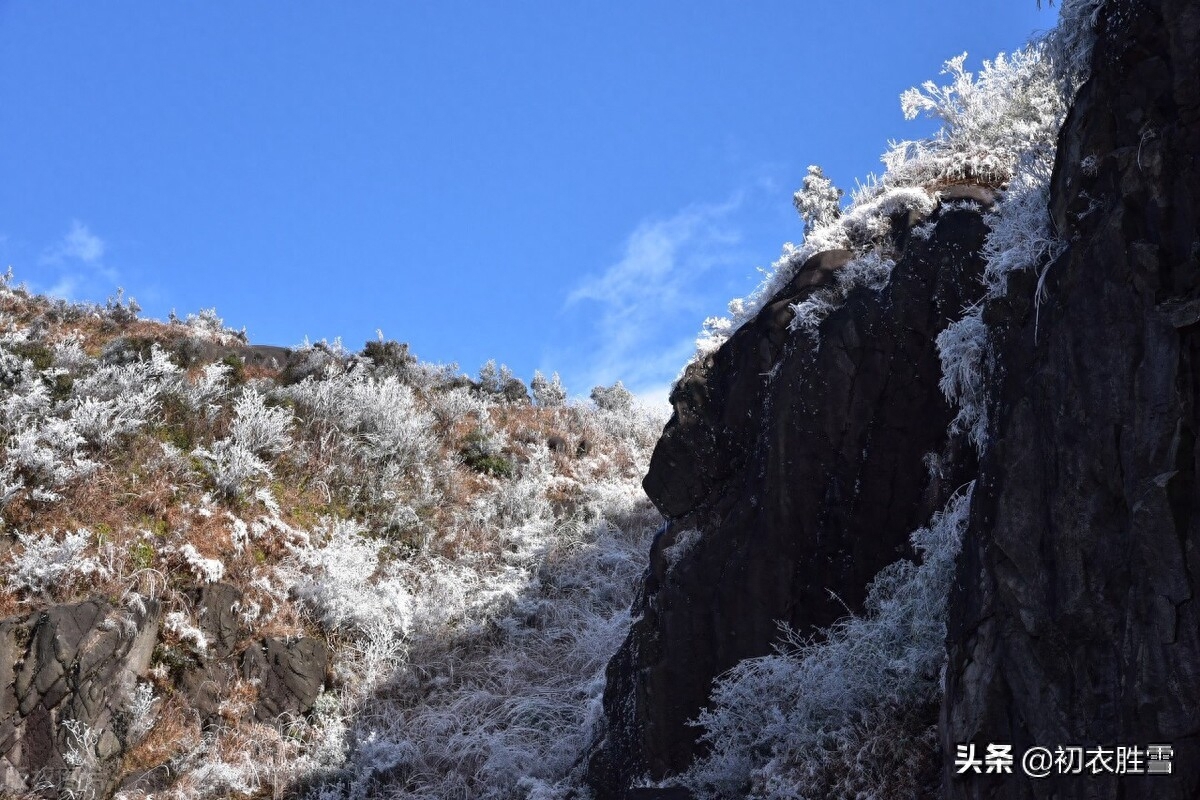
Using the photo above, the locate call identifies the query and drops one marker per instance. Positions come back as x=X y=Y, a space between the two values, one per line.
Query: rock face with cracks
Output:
x=68 y=712
x=1074 y=621
x=65 y=710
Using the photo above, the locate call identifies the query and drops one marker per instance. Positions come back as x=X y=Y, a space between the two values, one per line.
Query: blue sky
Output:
x=568 y=186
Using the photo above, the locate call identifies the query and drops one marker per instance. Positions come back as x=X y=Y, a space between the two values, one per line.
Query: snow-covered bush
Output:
x=458 y=404
x=613 y=398
x=962 y=349
x=989 y=120
x=344 y=587
x=205 y=324
x=231 y=465
x=379 y=420
x=116 y=400
x=50 y=454
x=43 y=562
x=547 y=393
x=261 y=429
x=818 y=202
x=204 y=393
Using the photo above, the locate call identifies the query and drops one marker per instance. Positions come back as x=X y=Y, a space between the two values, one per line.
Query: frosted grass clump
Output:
x=205 y=570
x=774 y=720
x=183 y=626
x=962 y=349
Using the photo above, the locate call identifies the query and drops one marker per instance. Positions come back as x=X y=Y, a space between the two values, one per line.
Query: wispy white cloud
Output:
x=647 y=306
x=79 y=244
x=76 y=262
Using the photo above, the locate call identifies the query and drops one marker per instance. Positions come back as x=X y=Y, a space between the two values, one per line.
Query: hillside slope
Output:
x=247 y=571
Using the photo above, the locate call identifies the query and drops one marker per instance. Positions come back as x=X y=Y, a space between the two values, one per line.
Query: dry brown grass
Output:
x=175 y=732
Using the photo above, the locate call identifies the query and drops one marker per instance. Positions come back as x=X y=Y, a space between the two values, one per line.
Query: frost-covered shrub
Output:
x=1070 y=43
x=457 y=404
x=344 y=589
x=204 y=393
x=379 y=419
x=548 y=393
x=492 y=377
x=1020 y=237
x=121 y=309
x=69 y=354
x=205 y=324
x=315 y=360
x=49 y=454
x=116 y=400
x=818 y=202
x=231 y=465
x=261 y=429
x=613 y=398
x=501 y=383
x=483 y=450
x=389 y=357
x=962 y=349
x=775 y=721
x=141 y=708
x=45 y=561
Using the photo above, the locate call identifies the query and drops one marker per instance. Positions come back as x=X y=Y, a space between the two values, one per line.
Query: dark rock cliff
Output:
x=802 y=465
x=793 y=469
x=1075 y=620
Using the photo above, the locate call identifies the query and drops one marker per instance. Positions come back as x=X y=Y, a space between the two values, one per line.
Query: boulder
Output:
x=291 y=674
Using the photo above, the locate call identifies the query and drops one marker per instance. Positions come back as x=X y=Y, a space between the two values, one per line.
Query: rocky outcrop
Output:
x=69 y=709
x=1075 y=619
x=792 y=470
x=287 y=673
x=66 y=707
x=290 y=674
